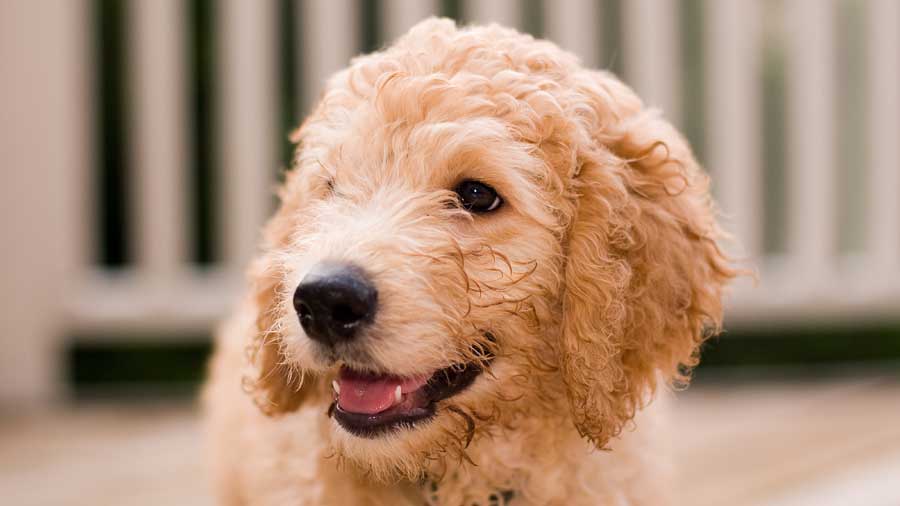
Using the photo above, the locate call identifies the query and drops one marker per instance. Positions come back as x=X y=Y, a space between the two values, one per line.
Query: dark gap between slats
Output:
x=774 y=102
x=611 y=36
x=453 y=9
x=533 y=17
x=291 y=73
x=851 y=153
x=112 y=172
x=371 y=35
x=693 y=87
x=202 y=62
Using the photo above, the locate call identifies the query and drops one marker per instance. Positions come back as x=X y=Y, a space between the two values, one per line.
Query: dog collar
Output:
x=498 y=498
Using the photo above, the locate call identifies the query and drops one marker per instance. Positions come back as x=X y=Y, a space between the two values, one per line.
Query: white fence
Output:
x=51 y=289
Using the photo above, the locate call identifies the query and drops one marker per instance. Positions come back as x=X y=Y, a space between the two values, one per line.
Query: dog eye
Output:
x=478 y=197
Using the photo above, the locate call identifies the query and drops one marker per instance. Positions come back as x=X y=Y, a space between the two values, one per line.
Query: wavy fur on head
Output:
x=593 y=285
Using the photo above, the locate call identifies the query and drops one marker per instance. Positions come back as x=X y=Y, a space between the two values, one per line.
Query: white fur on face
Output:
x=445 y=279
x=600 y=271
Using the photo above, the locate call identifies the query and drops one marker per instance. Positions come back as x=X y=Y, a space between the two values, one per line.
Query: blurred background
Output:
x=141 y=141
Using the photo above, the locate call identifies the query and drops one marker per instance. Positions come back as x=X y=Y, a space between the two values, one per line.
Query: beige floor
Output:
x=774 y=444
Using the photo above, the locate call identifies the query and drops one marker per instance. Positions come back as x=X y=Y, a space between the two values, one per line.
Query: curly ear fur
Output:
x=644 y=275
x=276 y=386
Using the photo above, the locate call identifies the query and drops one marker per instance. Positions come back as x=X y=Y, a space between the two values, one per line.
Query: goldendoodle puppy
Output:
x=487 y=262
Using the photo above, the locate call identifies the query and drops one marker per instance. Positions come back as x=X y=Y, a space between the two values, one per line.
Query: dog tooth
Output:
x=336 y=386
x=397 y=394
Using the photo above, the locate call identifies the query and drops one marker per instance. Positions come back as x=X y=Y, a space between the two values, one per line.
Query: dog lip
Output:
x=443 y=384
x=372 y=426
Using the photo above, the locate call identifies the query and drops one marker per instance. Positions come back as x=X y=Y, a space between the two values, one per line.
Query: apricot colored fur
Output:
x=598 y=278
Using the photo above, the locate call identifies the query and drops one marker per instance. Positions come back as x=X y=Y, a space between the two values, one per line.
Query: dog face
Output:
x=477 y=229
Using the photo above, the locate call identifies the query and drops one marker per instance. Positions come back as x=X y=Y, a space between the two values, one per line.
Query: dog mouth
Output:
x=369 y=404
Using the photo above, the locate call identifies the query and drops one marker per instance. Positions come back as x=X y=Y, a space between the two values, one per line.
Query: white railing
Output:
x=55 y=291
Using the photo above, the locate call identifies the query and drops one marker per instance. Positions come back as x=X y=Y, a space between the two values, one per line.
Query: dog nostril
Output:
x=345 y=314
x=303 y=311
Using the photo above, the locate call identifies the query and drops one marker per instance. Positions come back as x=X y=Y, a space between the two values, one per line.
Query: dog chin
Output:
x=409 y=453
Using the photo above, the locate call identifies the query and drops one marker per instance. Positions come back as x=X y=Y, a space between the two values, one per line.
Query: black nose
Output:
x=334 y=301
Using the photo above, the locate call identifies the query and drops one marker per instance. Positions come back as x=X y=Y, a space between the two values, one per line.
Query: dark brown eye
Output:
x=478 y=197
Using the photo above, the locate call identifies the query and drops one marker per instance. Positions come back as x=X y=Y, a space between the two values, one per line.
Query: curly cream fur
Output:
x=597 y=280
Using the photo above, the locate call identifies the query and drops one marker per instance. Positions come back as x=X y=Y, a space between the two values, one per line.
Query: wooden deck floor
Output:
x=798 y=444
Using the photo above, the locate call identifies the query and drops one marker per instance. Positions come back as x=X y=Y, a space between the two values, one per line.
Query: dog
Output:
x=488 y=268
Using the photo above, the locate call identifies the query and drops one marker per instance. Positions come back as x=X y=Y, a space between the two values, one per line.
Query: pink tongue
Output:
x=370 y=394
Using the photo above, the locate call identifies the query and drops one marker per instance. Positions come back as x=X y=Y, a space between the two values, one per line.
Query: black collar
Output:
x=498 y=498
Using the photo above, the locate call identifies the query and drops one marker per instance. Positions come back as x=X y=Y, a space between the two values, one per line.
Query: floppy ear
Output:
x=275 y=383
x=644 y=276
x=275 y=386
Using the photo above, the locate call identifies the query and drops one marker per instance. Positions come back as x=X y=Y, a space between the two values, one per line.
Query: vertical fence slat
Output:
x=325 y=53
x=651 y=53
x=733 y=116
x=401 y=15
x=505 y=12
x=249 y=157
x=44 y=60
x=883 y=221
x=158 y=147
x=811 y=135
x=573 y=25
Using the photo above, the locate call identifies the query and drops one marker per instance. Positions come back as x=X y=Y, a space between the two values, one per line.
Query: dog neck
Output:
x=505 y=468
